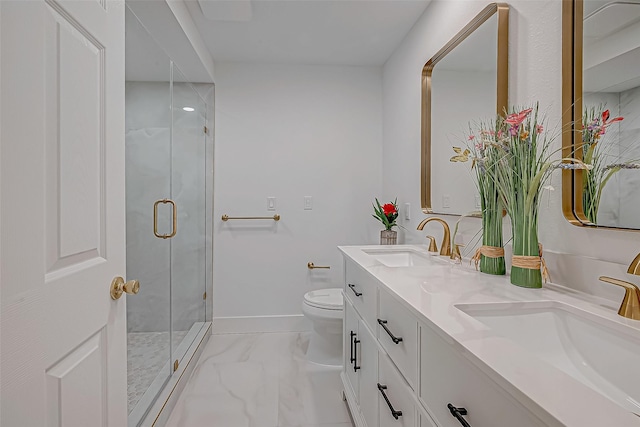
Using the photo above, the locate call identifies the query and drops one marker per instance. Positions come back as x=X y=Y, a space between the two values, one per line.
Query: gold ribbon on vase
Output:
x=532 y=263
x=489 y=252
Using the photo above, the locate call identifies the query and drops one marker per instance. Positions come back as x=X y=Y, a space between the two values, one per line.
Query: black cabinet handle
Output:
x=351 y=358
x=383 y=323
x=353 y=288
x=457 y=413
x=355 y=354
x=395 y=413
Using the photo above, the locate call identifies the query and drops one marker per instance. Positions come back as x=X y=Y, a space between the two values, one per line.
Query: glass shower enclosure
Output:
x=167 y=197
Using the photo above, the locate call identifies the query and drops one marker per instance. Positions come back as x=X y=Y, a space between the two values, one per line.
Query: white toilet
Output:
x=324 y=308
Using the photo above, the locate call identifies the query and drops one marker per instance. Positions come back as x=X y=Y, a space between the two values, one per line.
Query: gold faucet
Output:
x=446 y=239
x=630 y=307
x=634 y=267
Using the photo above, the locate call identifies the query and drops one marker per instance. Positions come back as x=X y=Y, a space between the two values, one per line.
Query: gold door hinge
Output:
x=175 y=365
x=204 y=296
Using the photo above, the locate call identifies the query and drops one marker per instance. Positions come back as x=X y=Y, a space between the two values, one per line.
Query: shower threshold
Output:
x=139 y=406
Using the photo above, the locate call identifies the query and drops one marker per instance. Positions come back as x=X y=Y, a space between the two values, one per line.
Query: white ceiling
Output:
x=336 y=32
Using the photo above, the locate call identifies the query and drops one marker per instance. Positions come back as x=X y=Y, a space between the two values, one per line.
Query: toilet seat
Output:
x=326 y=299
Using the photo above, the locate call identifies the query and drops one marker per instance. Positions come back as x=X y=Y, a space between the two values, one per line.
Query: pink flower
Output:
x=513 y=130
x=539 y=129
x=471 y=137
x=516 y=119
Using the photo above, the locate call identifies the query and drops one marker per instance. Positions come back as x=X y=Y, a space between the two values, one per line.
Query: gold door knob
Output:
x=119 y=286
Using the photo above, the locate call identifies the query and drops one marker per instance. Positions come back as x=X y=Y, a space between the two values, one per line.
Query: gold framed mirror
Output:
x=465 y=81
x=601 y=112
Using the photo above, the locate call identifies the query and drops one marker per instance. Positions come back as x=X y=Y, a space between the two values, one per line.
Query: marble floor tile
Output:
x=260 y=380
x=243 y=394
x=310 y=394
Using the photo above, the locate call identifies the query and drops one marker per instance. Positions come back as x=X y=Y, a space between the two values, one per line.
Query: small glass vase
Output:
x=525 y=243
x=492 y=236
x=388 y=237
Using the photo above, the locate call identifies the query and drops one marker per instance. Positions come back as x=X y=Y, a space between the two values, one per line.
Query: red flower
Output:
x=606 y=122
x=389 y=209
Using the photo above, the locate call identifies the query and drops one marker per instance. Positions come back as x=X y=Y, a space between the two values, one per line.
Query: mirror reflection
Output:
x=611 y=112
x=465 y=83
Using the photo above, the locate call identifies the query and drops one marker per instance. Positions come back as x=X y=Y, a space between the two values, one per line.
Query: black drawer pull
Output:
x=383 y=323
x=353 y=288
x=351 y=358
x=355 y=354
x=395 y=413
x=458 y=413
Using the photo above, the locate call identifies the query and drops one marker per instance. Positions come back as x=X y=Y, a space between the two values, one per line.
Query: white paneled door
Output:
x=62 y=213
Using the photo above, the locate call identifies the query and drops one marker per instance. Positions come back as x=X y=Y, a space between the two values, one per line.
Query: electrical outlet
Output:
x=308 y=203
x=446 y=201
x=478 y=201
x=407 y=211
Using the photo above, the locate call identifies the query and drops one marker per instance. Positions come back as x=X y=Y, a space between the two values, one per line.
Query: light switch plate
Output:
x=271 y=203
x=308 y=203
x=407 y=211
x=446 y=201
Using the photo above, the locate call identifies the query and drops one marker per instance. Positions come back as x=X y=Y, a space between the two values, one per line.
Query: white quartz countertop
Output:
x=431 y=293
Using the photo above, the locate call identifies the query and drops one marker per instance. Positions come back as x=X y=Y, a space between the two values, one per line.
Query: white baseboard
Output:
x=258 y=324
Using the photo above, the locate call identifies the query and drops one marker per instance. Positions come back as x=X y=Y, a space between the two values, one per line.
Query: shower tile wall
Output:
x=151 y=260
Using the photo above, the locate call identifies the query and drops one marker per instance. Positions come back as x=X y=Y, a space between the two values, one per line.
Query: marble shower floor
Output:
x=260 y=380
x=147 y=353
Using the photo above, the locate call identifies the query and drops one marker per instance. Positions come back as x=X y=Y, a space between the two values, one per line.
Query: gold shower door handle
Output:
x=174 y=228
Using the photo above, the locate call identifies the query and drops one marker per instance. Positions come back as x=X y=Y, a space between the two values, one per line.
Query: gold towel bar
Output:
x=226 y=217
x=311 y=266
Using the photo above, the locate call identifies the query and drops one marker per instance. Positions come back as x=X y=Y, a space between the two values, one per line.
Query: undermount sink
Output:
x=598 y=352
x=400 y=257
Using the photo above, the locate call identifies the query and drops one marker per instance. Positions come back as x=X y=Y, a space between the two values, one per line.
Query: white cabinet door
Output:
x=351 y=368
x=368 y=352
x=62 y=218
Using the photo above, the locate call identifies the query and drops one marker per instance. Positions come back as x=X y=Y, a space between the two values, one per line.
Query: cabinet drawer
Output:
x=398 y=399
x=426 y=421
x=446 y=377
x=398 y=335
x=361 y=289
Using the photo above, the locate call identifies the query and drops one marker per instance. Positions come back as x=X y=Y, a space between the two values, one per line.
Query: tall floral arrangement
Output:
x=595 y=122
x=484 y=156
x=523 y=167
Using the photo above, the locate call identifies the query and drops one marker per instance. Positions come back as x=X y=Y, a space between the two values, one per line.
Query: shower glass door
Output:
x=188 y=190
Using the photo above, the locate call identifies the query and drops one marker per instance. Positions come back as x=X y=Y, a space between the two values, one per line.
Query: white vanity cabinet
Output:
x=398 y=372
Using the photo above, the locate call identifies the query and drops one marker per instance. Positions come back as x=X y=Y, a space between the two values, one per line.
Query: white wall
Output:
x=535 y=68
x=291 y=131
